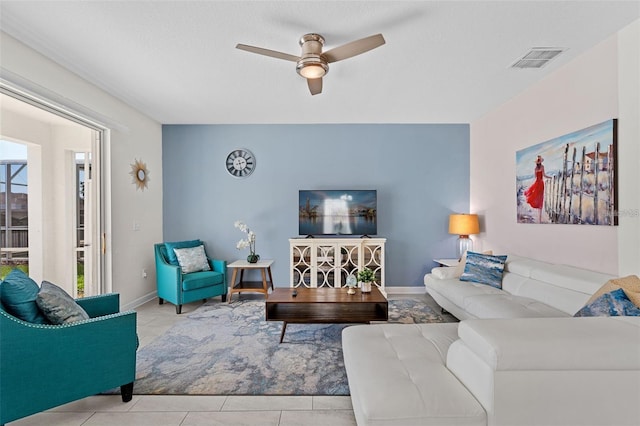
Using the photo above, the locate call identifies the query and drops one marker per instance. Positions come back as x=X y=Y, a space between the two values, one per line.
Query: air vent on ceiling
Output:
x=537 y=57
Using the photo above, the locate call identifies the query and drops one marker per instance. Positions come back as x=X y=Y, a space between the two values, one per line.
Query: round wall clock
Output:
x=240 y=163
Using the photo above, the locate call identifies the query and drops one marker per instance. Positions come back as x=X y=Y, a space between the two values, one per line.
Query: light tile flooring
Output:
x=154 y=320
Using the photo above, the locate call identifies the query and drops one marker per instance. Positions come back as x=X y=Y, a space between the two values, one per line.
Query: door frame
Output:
x=101 y=235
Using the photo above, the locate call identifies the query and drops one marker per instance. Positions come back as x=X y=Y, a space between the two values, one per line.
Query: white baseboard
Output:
x=139 y=301
x=406 y=290
x=154 y=294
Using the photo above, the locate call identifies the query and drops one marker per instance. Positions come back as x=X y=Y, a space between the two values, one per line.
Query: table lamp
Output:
x=464 y=225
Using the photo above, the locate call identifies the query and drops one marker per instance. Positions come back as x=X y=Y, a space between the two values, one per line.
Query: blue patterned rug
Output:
x=229 y=349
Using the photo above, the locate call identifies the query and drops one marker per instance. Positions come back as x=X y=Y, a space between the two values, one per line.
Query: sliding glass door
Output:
x=51 y=195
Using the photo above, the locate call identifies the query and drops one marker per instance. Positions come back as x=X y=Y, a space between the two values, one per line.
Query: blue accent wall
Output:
x=421 y=173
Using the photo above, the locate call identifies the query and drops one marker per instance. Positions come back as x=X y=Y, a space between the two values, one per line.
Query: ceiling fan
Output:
x=313 y=64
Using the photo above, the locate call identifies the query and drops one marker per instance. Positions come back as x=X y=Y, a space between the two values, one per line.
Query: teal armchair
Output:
x=43 y=366
x=178 y=288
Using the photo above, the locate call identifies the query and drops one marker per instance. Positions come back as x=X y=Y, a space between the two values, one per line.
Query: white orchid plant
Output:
x=250 y=241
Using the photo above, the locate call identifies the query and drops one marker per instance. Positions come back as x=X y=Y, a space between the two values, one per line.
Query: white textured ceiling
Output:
x=444 y=61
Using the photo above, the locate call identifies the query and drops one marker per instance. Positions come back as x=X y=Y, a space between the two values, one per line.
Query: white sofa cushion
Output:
x=397 y=376
x=563 y=299
x=548 y=397
x=523 y=265
x=551 y=371
x=483 y=301
x=458 y=291
x=595 y=343
x=580 y=280
x=509 y=306
x=565 y=289
x=445 y=273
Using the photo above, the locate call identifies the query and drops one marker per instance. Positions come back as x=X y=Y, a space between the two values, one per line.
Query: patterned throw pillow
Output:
x=171 y=246
x=612 y=304
x=630 y=285
x=484 y=269
x=463 y=262
x=192 y=259
x=58 y=306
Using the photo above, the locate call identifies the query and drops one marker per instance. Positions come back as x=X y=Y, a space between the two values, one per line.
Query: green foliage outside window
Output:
x=5 y=269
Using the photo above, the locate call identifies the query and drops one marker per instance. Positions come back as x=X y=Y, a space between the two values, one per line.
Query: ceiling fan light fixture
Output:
x=313 y=63
x=312 y=71
x=312 y=67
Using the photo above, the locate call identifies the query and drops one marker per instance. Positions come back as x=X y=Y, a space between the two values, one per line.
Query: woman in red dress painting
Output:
x=535 y=193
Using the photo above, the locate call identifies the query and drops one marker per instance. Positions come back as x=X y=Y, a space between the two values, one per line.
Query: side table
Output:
x=250 y=286
x=450 y=263
x=447 y=262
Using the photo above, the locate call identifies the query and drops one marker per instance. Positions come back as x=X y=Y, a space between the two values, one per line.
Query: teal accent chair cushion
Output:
x=18 y=293
x=58 y=306
x=178 y=287
x=204 y=279
x=171 y=255
x=43 y=366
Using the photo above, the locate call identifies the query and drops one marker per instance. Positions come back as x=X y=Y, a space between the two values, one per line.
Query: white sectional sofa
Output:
x=530 y=289
x=518 y=357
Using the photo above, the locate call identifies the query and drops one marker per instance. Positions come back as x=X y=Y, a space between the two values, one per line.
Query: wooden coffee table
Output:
x=325 y=305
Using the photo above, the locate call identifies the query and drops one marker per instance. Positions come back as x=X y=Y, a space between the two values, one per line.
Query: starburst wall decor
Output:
x=140 y=174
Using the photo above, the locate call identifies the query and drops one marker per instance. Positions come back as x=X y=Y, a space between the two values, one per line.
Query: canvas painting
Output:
x=570 y=179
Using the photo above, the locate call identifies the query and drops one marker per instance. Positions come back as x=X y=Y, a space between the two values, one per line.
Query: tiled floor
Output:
x=153 y=320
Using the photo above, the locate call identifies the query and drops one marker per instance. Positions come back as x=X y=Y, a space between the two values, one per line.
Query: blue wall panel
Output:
x=421 y=173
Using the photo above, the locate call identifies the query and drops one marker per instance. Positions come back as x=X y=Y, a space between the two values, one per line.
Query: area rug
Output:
x=229 y=349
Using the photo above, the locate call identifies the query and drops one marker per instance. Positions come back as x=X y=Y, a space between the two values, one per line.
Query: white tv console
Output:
x=327 y=262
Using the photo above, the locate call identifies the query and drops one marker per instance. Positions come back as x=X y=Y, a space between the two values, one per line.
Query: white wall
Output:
x=589 y=90
x=629 y=152
x=132 y=136
x=411 y=200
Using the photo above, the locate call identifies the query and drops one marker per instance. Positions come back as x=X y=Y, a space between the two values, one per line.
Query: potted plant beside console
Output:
x=365 y=277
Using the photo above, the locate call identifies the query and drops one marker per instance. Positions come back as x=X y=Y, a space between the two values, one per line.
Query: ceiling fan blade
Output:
x=267 y=52
x=354 y=48
x=315 y=85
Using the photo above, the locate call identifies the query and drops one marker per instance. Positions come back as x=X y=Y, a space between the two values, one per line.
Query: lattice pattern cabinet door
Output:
x=325 y=264
x=328 y=262
x=372 y=257
x=301 y=266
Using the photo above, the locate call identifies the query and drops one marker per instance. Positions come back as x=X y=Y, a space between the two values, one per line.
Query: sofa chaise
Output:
x=518 y=357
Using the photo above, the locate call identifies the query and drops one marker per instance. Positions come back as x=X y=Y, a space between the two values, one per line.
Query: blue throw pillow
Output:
x=179 y=245
x=484 y=269
x=18 y=293
x=612 y=304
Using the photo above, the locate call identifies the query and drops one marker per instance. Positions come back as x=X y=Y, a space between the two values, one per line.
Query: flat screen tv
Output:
x=338 y=212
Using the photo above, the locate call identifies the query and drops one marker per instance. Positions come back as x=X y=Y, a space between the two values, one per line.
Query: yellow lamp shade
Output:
x=464 y=224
